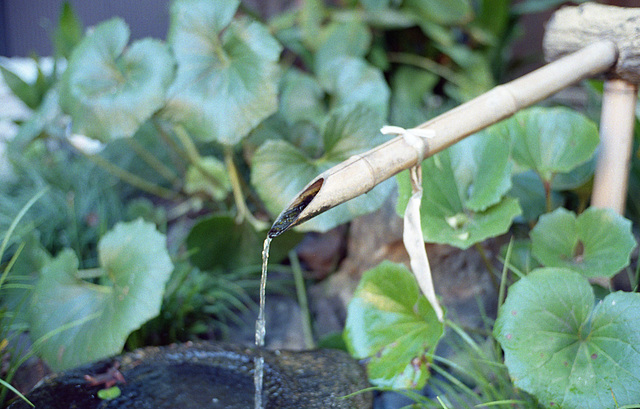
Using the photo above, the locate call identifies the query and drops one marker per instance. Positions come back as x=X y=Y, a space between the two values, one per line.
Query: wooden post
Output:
x=616 y=141
x=569 y=29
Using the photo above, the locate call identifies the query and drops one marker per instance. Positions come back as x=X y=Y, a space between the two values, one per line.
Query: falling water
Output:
x=261 y=327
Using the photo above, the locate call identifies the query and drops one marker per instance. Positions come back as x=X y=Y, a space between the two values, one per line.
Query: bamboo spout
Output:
x=361 y=173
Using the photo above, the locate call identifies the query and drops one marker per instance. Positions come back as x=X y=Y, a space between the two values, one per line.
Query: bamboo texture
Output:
x=616 y=141
x=361 y=173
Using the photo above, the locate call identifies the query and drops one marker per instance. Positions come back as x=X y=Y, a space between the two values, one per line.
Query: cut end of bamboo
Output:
x=291 y=215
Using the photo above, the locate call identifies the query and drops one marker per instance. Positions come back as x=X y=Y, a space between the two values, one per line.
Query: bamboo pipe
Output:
x=360 y=173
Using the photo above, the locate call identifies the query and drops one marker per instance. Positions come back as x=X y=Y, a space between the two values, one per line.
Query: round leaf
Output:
x=97 y=318
x=563 y=350
x=392 y=324
x=280 y=171
x=550 y=140
x=464 y=186
x=301 y=98
x=215 y=182
x=351 y=80
x=110 y=93
x=597 y=243
x=227 y=76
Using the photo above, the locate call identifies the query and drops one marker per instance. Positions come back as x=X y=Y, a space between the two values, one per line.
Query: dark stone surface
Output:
x=210 y=375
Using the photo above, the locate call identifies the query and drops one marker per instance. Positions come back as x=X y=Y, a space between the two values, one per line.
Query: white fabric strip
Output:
x=412 y=235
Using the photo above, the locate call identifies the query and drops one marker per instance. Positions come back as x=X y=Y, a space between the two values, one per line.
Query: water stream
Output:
x=261 y=327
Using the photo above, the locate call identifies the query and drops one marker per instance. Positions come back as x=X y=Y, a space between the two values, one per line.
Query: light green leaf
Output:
x=550 y=140
x=211 y=178
x=410 y=89
x=441 y=11
x=110 y=92
x=464 y=187
x=565 y=351
x=280 y=170
x=392 y=325
x=351 y=39
x=69 y=31
x=26 y=92
x=310 y=20
x=134 y=267
x=597 y=243
x=301 y=98
x=351 y=80
x=227 y=76
x=375 y=4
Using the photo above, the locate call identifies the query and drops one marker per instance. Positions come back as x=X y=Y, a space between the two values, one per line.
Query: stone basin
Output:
x=210 y=375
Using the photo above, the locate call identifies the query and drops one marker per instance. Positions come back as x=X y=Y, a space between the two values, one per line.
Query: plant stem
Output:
x=243 y=210
x=194 y=157
x=505 y=269
x=302 y=300
x=547 y=195
x=174 y=147
x=130 y=178
x=153 y=162
x=488 y=265
x=426 y=64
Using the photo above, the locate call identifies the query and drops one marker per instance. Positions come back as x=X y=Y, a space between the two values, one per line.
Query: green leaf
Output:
x=375 y=4
x=69 y=31
x=410 y=88
x=26 y=92
x=227 y=76
x=351 y=39
x=576 y=177
x=109 y=393
x=550 y=140
x=521 y=258
x=214 y=181
x=567 y=353
x=392 y=325
x=301 y=98
x=351 y=80
x=597 y=243
x=464 y=187
x=310 y=19
x=218 y=242
x=529 y=190
x=280 y=170
x=110 y=92
x=78 y=321
x=441 y=11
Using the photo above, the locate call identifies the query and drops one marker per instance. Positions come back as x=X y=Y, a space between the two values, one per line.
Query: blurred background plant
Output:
x=206 y=136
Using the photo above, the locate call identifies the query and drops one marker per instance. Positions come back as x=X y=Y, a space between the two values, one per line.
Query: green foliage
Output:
x=346 y=131
x=550 y=141
x=596 y=243
x=218 y=242
x=231 y=117
x=565 y=348
x=392 y=324
x=9 y=318
x=226 y=69
x=68 y=33
x=199 y=303
x=134 y=267
x=464 y=192
x=110 y=92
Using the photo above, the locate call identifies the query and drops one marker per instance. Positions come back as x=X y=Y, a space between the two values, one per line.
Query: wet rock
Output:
x=208 y=375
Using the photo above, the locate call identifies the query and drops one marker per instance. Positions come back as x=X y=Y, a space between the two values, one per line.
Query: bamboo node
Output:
x=415 y=137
